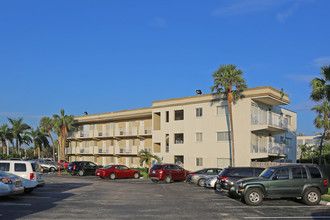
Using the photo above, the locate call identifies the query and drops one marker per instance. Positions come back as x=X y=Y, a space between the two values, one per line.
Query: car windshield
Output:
x=107 y=167
x=157 y=167
x=267 y=173
x=3 y=173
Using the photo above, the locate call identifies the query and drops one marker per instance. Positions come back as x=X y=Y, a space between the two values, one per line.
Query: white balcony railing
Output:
x=269 y=118
x=269 y=147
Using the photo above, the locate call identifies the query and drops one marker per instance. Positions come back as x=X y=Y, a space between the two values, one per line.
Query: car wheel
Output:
x=167 y=179
x=217 y=186
x=136 y=175
x=312 y=196
x=112 y=176
x=81 y=173
x=201 y=182
x=52 y=170
x=155 y=181
x=253 y=196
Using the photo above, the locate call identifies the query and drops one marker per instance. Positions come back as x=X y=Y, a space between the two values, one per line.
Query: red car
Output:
x=64 y=163
x=117 y=171
x=167 y=173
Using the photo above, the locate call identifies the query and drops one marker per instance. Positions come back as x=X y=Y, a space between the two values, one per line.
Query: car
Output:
x=29 y=171
x=64 y=163
x=10 y=184
x=199 y=177
x=117 y=171
x=230 y=175
x=210 y=182
x=305 y=181
x=167 y=173
x=82 y=168
x=49 y=166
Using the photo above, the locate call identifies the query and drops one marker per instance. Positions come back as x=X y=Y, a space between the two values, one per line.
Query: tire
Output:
x=136 y=175
x=112 y=176
x=253 y=196
x=52 y=170
x=217 y=187
x=72 y=174
x=311 y=196
x=155 y=181
x=201 y=182
x=81 y=172
x=168 y=179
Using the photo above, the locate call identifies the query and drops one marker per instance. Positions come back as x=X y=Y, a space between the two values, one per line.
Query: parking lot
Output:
x=89 y=197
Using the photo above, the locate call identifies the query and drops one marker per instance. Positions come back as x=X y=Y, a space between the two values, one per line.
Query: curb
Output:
x=324 y=203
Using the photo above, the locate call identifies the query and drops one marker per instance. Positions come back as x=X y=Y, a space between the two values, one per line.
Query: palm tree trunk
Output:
x=53 y=145
x=3 y=147
x=229 y=101
x=321 y=143
x=38 y=152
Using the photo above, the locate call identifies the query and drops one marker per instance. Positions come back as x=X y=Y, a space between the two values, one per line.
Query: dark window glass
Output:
x=241 y=172
x=20 y=167
x=296 y=173
x=258 y=171
x=4 y=166
x=315 y=172
x=200 y=171
x=282 y=174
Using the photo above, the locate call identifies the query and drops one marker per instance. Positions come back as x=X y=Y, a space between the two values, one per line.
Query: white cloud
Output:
x=158 y=22
x=305 y=106
x=321 y=61
x=300 y=78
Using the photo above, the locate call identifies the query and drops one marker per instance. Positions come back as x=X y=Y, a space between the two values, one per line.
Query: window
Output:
x=199 y=137
x=111 y=159
x=299 y=173
x=178 y=115
x=178 y=138
x=4 y=166
x=95 y=159
x=132 y=160
x=315 y=173
x=282 y=174
x=199 y=161
x=289 y=119
x=222 y=110
x=133 y=144
x=300 y=142
x=167 y=140
x=20 y=167
x=288 y=142
x=167 y=116
x=199 y=112
x=223 y=136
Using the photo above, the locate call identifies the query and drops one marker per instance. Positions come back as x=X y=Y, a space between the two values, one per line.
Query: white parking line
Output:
x=267 y=207
x=19 y=204
x=291 y=217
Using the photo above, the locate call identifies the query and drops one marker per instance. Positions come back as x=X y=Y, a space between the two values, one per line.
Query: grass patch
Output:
x=326 y=197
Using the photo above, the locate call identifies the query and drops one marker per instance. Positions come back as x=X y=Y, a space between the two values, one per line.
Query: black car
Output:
x=82 y=168
x=230 y=175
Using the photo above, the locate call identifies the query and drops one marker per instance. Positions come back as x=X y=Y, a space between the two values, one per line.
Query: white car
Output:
x=210 y=182
x=27 y=170
x=10 y=184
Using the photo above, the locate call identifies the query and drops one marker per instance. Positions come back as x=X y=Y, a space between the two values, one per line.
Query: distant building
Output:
x=192 y=131
x=309 y=141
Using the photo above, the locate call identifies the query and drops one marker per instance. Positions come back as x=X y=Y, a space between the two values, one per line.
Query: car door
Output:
x=118 y=171
x=179 y=171
x=299 y=179
x=170 y=169
x=280 y=184
x=125 y=171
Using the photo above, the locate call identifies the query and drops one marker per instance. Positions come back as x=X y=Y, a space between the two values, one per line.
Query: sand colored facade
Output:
x=191 y=131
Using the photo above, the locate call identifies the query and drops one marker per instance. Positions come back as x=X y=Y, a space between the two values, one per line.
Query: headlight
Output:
x=6 y=180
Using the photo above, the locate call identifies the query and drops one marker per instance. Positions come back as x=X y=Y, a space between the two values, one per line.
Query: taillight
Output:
x=325 y=182
x=74 y=167
x=224 y=178
x=31 y=176
x=192 y=174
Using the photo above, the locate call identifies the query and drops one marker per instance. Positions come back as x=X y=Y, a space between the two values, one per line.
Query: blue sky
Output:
x=102 y=56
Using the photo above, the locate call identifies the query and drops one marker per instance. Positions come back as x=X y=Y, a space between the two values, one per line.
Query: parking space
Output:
x=90 y=197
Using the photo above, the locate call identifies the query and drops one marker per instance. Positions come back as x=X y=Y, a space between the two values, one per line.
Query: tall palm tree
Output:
x=62 y=125
x=228 y=80
x=5 y=134
x=321 y=86
x=46 y=126
x=322 y=122
x=26 y=139
x=147 y=157
x=18 y=128
x=39 y=139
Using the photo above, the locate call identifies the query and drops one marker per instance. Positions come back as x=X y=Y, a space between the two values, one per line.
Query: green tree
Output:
x=5 y=134
x=321 y=86
x=322 y=122
x=62 y=125
x=39 y=139
x=26 y=139
x=17 y=129
x=228 y=81
x=147 y=158
x=305 y=151
x=46 y=126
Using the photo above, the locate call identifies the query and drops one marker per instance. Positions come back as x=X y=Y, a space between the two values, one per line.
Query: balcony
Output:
x=269 y=122
x=269 y=148
x=84 y=151
x=68 y=150
x=104 y=150
x=145 y=131
x=126 y=151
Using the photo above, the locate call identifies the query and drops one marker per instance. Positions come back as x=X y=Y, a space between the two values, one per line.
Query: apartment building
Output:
x=192 y=131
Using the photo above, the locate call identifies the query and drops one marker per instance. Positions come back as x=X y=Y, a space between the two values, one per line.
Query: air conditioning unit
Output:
x=121 y=150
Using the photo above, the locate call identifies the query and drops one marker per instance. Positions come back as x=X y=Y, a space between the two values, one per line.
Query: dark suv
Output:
x=291 y=181
x=230 y=175
x=82 y=168
x=167 y=173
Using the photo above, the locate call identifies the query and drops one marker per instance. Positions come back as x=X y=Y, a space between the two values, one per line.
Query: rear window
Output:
x=240 y=172
x=315 y=172
x=20 y=167
x=157 y=167
x=4 y=166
